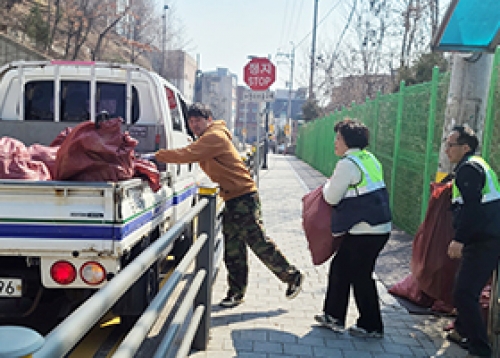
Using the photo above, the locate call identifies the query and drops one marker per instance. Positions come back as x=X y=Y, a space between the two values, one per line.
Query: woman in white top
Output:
x=362 y=216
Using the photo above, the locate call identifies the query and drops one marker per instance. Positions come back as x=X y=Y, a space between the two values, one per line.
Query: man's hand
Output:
x=455 y=249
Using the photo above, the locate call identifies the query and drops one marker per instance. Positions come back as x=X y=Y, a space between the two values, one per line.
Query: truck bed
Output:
x=93 y=217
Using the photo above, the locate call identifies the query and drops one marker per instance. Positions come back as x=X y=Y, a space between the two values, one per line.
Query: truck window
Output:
x=184 y=110
x=39 y=101
x=74 y=100
x=175 y=113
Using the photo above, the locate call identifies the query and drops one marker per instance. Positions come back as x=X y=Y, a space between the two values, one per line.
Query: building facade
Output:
x=218 y=89
x=180 y=70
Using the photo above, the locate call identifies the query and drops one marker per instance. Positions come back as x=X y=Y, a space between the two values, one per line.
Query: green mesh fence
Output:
x=405 y=129
x=491 y=136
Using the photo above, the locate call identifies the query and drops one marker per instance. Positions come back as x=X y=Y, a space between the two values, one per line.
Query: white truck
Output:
x=73 y=237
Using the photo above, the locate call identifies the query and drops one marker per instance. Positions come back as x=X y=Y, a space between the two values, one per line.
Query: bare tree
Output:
x=107 y=18
x=80 y=16
x=141 y=28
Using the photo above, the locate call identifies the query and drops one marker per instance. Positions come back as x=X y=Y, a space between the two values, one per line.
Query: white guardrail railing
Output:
x=193 y=313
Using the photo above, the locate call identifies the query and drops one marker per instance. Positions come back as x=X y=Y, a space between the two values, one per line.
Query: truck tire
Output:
x=138 y=297
x=183 y=243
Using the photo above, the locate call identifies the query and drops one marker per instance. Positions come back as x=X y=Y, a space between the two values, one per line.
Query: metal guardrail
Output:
x=64 y=337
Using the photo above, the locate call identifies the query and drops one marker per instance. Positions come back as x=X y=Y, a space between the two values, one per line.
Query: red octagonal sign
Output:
x=259 y=74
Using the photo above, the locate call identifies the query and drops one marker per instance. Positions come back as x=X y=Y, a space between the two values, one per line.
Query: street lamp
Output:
x=163 y=38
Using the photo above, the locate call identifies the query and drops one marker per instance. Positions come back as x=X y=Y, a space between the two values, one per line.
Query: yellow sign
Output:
x=287 y=129
x=271 y=128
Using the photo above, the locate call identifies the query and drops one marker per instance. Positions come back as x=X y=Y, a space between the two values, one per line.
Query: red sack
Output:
x=149 y=171
x=431 y=266
x=44 y=154
x=316 y=221
x=408 y=288
x=91 y=154
x=16 y=162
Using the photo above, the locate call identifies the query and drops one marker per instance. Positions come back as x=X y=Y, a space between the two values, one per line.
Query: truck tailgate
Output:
x=38 y=216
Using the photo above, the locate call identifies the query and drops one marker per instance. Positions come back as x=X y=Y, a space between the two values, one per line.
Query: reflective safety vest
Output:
x=367 y=201
x=491 y=188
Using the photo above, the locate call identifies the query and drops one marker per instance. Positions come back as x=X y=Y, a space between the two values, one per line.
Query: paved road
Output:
x=268 y=325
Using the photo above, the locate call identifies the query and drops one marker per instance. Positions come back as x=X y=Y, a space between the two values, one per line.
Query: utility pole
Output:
x=467 y=98
x=291 y=57
x=163 y=38
x=313 y=50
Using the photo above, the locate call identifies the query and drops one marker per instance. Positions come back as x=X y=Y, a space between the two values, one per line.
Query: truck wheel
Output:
x=138 y=297
x=183 y=244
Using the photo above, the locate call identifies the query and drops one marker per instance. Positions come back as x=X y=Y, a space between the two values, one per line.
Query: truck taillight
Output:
x=92 y=273
x=63 y=272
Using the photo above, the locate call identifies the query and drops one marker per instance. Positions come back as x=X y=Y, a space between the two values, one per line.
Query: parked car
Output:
x=281 y=148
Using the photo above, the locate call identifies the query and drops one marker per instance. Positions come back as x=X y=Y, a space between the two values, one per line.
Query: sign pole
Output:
x=257 y=149
x=266 y=135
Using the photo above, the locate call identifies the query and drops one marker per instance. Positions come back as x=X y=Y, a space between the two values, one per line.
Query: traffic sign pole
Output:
x=259 y=74
x=266 y=139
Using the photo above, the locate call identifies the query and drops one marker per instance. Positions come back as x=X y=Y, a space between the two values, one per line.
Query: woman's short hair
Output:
x=354 y=132
x=199 y=110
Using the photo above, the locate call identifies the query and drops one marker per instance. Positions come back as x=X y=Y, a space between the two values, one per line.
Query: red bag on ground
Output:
x=431 y=266
x=16 y=161
x=316 y=221
x=408 y=288
x=96 y=154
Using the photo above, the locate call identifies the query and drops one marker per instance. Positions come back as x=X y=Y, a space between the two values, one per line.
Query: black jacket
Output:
x=474 y=221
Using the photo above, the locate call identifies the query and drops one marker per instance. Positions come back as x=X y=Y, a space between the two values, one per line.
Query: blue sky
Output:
x=224 y=32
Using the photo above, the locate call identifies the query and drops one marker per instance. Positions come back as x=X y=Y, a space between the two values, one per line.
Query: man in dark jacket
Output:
x=476 y=218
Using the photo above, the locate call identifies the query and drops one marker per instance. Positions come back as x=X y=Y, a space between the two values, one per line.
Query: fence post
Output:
x=205 y=260
x=489 y=120
x=397 y=137
x=431 y=123
x=374 y=135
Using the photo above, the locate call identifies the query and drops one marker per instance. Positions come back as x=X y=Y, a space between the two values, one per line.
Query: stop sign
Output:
x=259 y=74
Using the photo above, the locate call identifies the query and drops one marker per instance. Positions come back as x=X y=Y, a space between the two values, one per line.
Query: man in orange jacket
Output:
x=241 y=220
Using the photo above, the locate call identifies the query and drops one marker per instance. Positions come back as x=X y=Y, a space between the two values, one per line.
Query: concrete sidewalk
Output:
x=268 y=325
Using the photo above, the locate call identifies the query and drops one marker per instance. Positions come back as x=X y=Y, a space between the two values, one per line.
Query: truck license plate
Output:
x=10 y=287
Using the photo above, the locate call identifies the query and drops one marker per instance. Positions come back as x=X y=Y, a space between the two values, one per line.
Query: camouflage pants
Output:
x=242 y=225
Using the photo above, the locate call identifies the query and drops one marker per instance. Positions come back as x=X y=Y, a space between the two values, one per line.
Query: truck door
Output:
x=184 y=176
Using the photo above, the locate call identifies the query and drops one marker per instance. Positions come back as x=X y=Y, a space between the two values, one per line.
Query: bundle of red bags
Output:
x=84 y=153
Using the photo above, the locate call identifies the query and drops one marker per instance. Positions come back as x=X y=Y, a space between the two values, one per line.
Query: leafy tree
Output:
x=421 y=70
x=37 y=29
x=311 y=110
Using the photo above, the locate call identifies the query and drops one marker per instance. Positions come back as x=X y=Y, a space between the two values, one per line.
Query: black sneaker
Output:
x=356 y=331
x=328 y=321
x=295 y=286
x=231 y=300
x=455 y=337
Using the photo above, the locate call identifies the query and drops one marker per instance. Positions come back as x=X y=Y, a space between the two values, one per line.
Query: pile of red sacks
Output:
x=430 y=283
x=82 y=153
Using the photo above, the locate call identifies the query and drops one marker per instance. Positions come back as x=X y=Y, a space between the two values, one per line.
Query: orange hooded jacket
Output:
x=218 y=158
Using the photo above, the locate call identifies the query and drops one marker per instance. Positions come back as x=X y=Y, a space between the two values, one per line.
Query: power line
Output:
x=284 y=21
x=320 y=22
x=345 y=29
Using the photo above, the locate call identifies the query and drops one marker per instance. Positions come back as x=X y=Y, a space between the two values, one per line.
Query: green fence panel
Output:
x=408 y=156
x=491 y=137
